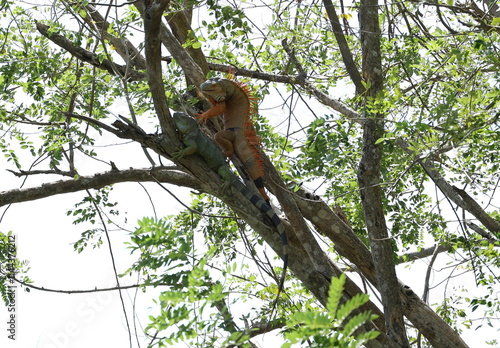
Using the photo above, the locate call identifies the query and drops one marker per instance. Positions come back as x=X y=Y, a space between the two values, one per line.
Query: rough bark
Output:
x=179 y=53
x=369 y=177
x=152 y=16
x=180 y=24
x=300 y=262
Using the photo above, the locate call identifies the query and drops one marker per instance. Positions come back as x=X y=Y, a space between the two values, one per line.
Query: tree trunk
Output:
x=369 y=176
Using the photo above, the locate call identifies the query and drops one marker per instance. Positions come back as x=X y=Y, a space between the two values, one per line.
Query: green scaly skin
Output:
x=197 y=142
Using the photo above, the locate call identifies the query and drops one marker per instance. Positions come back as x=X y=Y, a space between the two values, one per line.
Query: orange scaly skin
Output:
x=234 y=102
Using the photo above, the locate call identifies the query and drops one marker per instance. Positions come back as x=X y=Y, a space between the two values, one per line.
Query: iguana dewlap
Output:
x=234 y=102
x=197 y=142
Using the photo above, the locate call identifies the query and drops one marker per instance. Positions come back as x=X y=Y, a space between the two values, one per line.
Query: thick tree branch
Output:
x=152 y=15
x=321 y=267
x=345 y=51
x=475 y=209
x=301 y=230
x=180 y=24
x=306 y=254
x=171 y=176
x=89 y=57
x=181 y=56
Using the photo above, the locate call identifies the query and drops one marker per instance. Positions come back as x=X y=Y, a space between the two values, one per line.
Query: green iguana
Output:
x=234 y=101
x=197 y=142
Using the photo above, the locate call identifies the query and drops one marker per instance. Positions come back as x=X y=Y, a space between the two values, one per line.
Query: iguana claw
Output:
x=201 y=117
x=226 y=185
x=178 y=154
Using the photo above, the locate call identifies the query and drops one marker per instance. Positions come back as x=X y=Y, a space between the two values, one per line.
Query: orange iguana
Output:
x=235 y=103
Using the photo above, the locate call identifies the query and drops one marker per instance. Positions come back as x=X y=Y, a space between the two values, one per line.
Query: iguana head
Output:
x=217 y=89
x=184 y=123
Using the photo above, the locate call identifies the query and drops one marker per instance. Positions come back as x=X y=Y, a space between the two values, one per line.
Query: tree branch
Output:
x=89 y=57
x=21 y=173
x=115 y=288
x=485 y=234
x=456 y=195
x=348 y=244
x=304 y=250
x=181 y=56
x=162 y=174
x=152 y=15
x=179 y=22
x=122 y=46
x=345 y=51
x=423 y=253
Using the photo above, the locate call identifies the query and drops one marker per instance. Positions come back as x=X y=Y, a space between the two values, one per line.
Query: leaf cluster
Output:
x=335 y=328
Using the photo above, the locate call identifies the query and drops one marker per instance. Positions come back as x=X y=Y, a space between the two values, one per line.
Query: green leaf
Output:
x=335 y=294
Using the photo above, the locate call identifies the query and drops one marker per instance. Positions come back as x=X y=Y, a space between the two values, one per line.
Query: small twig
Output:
x=92 y=121
x=38 y=172
x=113 y=262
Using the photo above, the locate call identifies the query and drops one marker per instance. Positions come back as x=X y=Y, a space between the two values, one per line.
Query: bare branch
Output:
x=485 y=234
x=162 y=174
x=22 y=173
x=423 y=253
x=89 y=57
x=94 y=122
x=425 y=295
x=456 y=195
x=345 y=51
x=60 y=291
x=121 y=45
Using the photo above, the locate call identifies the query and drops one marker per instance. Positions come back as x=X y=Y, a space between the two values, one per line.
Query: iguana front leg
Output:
x=226 y=177
x=217 y=109
x=191 y=147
